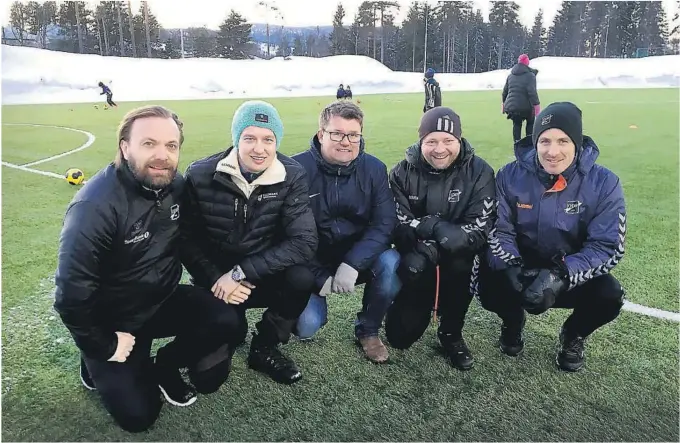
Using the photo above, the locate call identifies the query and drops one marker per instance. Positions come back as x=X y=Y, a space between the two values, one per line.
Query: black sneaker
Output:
x=85 y=378
x=271 y=361
x=457 y=351
x=571 y=355
x=512 y=339
x=175 y=390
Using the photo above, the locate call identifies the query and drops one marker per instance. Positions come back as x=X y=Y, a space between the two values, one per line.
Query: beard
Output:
x=156 y=183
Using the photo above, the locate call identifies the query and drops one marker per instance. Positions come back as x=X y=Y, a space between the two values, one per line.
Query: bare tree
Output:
x=271 y=12
x=18 y=19
x=146 y=28
x=120 y=30
x=132 y=30
x=78 y=28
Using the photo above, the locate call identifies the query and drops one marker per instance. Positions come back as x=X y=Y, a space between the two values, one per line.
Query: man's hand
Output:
x=345 y=278
x=240 y=294
x=224 y=286
x=326 y=288
x=425 y=228
x=428 y=250
x=542 y=293
x=512 y=274
x=126 y=342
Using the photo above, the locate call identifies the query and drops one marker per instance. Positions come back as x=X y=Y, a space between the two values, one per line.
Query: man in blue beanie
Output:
x=248 y=230
x=560 y=232
x=433 y=93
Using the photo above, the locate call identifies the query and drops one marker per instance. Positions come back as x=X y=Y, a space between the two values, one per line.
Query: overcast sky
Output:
x=210 y=13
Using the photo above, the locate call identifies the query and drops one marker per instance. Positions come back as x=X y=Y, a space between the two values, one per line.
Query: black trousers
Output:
x=517 y=121
x=409 y=315
x=595 y=303
x=285 y=295
x=203 y=326
x=109 y=100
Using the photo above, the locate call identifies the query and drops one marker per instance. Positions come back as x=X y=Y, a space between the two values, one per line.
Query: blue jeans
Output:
x=382 y=286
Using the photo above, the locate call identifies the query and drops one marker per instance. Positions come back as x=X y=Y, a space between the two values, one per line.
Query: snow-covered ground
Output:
x=33 y=76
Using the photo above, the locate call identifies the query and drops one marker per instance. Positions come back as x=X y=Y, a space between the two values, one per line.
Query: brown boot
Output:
x=374 y=349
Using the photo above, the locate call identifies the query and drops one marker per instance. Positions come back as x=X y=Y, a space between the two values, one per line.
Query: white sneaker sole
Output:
x=175 y=403
x=88 y=387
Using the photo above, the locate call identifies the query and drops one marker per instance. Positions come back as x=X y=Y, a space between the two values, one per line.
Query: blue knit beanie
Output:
x=429 y=73
x=256 y=113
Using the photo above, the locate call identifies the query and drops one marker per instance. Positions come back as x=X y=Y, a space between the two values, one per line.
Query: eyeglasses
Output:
x=339 y=137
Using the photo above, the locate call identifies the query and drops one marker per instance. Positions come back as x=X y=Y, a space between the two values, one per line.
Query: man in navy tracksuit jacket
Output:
x=560 y=231
x=355 y=215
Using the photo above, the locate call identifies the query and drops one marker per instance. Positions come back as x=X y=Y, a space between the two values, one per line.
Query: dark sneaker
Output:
x=457 y=351
x=175 y=390
x=571 y=355
x=271 y=361
x=85 y=378
x=512 y=339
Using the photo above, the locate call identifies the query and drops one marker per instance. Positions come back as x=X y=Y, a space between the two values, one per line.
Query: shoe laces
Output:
x=276 y=358
x=574 y=348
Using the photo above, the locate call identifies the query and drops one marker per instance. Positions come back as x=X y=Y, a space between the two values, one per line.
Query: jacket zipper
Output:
x=337 y=201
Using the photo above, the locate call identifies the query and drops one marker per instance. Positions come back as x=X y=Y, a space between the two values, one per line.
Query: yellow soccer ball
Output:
x=75 y=176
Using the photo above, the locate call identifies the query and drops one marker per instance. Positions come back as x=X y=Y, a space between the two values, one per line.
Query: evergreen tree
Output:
x=233 y=38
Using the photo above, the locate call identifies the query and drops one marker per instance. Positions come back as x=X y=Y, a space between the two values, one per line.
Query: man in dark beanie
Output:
x=520 y=99
x=560 y=232
x=446 y=206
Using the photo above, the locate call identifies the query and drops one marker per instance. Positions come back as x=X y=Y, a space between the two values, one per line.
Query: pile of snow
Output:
x=33 y=76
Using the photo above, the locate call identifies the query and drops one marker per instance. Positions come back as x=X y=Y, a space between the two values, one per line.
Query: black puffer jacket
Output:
x=462 y=196
x=118 y=258
x=265 y=232
x=519 y=92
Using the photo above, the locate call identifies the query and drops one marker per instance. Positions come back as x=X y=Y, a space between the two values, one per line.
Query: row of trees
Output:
x=447 y=35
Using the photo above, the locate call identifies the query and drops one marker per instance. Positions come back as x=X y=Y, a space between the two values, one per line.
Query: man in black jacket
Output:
x=445 y=198
x=433 y=93
x=520 y=99
x=118 y=281
x=248 y=225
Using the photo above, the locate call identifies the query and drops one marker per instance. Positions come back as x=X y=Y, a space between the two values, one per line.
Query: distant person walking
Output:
x=520 y=99
x=348 y=93
x=106 y=90
x=433 y=94
x=341 y=92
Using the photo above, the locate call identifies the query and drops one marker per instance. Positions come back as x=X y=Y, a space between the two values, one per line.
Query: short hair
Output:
x=343 y=109
x=144 y=112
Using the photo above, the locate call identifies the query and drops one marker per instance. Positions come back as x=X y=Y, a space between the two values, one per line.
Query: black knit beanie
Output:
x=440 y=119
x=561 y=115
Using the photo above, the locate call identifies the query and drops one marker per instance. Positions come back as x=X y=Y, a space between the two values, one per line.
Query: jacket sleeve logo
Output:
x=174 y=212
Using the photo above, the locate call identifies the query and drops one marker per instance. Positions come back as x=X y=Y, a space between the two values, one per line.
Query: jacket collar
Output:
x=275 y=173
x=329 y=168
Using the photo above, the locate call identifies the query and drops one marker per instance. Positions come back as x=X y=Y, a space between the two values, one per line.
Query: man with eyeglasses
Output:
x=355 y=216
x=445 y=198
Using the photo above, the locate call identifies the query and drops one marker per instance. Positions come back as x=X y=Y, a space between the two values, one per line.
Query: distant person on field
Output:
x=341 y=92
x=118 y=276
x=445 y=197
x=106 y=90
x=355 y=216
x=348 y=93
x=433 y=93
x=560 y=232
x=251 y=228
x=520 y=99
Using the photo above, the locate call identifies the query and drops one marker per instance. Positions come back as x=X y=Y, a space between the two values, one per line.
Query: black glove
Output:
x=425 y=229
x=405 y=237
x=412 y=265
x=520 y=278
x=542 y=293
x=429 y=251
x=454 y=240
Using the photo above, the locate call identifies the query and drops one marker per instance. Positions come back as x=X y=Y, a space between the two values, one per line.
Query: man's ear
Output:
x=319 y=134
x=124 y=148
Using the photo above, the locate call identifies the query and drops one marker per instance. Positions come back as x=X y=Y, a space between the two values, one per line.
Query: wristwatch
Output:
x=237 y=274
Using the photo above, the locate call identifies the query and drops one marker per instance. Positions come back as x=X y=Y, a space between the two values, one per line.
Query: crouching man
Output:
x=355 y=216
x=445 y=198
x=250 y=230
x=560 y=231
x=118 y=279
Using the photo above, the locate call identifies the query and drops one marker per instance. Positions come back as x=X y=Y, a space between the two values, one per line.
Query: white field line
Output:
x=628 y=306
x=90 y=139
